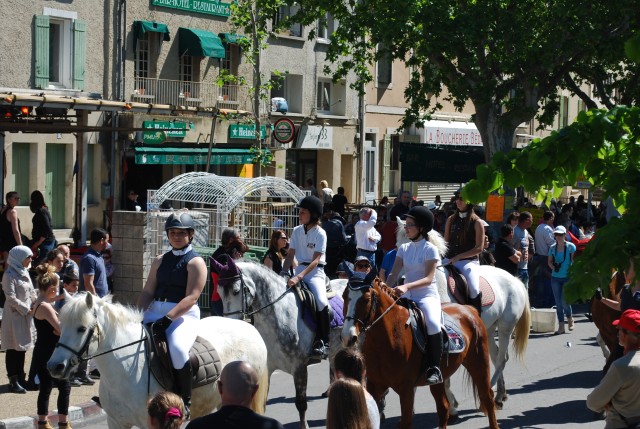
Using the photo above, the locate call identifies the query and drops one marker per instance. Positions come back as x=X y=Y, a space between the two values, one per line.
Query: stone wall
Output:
x=128 y=231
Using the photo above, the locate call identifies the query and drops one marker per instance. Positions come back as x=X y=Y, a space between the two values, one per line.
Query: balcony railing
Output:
x=191 y=94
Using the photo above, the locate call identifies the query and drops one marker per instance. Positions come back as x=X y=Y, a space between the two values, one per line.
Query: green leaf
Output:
x=632 y=48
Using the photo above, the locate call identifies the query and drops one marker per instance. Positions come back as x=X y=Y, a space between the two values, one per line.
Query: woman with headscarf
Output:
x=17 y=316
x=43 y=239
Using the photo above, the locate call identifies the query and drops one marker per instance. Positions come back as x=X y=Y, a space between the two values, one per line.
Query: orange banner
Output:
x=495 y=208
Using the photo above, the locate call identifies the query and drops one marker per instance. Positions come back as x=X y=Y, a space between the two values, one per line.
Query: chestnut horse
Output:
x=603 y=316
x=393 y=360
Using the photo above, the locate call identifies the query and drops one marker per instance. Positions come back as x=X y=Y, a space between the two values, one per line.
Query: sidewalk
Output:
x=19 y=411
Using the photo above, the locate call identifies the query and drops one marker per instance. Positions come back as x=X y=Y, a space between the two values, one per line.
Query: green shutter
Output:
x=561 y=113
x=20 y=167
x=386 y=164
x=41 y=35
x=79 y=49
x=55 y=187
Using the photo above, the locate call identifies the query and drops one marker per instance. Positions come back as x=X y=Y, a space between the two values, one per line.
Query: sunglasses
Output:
x=409 y=225
x=284 y=238
x=363 y=265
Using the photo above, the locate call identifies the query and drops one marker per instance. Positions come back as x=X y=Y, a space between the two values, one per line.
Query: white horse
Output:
x=509 y=311
x=250 y=288
x=114 y=334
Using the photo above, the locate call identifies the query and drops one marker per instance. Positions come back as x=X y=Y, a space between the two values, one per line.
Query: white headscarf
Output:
x=17 y=255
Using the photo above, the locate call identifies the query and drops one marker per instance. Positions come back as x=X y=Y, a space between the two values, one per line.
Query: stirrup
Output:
x=187 y=411
x=433 y=376
x=319 y=350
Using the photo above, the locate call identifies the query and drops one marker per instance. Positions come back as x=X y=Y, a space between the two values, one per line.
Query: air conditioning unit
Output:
x=279 y=104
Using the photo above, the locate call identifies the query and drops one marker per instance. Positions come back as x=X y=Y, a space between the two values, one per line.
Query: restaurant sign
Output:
x=209 y=7
x=171 y=129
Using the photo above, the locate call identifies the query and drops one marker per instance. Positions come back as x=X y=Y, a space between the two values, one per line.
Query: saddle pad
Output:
x=453 y=341
x=453 y=335
x=488 y=296
x=337 y=305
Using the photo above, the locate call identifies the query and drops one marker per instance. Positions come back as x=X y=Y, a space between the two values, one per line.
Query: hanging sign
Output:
x=171 y=129
x=283 y=130
x=246 y=131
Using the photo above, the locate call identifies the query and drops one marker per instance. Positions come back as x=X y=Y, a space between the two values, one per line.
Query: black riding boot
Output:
x=321 y=346
x=434 y=354
x=14 y=385
x=477 y=303
x=183 y=379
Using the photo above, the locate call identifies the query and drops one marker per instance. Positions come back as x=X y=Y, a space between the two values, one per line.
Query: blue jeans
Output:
x=557 y=285
x=543 y=294
x=523 y=274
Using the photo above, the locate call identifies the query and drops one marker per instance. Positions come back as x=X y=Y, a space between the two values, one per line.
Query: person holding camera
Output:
x=560 y=258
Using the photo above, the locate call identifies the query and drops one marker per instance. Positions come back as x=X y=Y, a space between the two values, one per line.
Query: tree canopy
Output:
x=509 y=58
x=602 y=146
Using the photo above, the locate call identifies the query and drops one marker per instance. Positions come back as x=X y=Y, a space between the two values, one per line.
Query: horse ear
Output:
x=348 y=270
x=371 y=275
x=232 y=267
x=400 y=221
x=216 y=266
x=89 y=300
x=67 y=297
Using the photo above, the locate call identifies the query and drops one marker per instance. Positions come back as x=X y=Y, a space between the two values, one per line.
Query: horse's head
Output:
x=78 y=322
x=236 y=290
x=360 y=298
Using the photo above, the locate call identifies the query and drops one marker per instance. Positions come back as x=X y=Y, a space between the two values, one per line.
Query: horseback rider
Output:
x=420 y=258
x=309 y=244
x=464 y=232
x=170 y=297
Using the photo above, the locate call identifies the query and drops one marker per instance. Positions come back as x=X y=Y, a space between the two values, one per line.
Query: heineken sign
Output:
x=209 y=7
x=246 y=131
x=171 y=129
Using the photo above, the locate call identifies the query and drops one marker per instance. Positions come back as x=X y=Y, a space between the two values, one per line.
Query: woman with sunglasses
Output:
x=17 y=316
x=464 y=232
x=420 y=258
x=560 y=258
x=278 y=249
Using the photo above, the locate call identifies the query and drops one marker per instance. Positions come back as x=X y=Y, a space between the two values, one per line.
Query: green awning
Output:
x=231 y=37
x=183 y=155
x=141 y=27
x=199 y=43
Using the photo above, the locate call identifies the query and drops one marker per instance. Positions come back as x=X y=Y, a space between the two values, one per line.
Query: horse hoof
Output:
x=382 y=418
x=453 y=419
x=499 y=405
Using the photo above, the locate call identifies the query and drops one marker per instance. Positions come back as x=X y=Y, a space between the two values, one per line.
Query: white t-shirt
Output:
x=366 y=235
x=306 y=244
x=414 y=256
x=372 y=408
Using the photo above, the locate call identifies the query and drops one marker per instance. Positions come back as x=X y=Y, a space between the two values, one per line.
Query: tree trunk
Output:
x=496 y=135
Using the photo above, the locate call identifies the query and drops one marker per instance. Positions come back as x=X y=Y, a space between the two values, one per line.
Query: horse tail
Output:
x=259 y=401
x=522 y=330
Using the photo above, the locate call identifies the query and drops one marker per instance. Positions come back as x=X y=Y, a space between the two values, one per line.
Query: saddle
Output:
x=457 y=284
x=203 y=357
x=452 y=340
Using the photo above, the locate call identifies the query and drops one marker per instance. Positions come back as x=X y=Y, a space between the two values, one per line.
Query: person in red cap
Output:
x=619 y=391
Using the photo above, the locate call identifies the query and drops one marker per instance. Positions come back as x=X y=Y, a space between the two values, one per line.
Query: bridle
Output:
x=85 y=345
x=372 y=307
x=244 y=289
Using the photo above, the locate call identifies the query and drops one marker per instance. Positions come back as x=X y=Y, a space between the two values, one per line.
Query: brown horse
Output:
x=393 y=360
x=603 y=316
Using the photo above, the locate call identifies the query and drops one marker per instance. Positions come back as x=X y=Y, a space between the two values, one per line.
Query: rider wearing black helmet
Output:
x=171 y=293
x=420 y=259
x=309 y=245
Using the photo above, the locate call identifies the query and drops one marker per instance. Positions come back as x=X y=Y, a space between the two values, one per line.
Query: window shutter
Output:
x=79 y=52
x=41 y=51
x=386 y=165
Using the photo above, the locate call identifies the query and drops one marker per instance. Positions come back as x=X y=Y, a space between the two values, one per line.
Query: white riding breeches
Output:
x=470 y=270
x=429 y=304
x=182 y=332
x=318 y=285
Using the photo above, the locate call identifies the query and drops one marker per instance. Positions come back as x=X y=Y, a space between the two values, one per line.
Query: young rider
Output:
x=170 y=297
x=420 y=258
x=465 y=234
x=308 y=245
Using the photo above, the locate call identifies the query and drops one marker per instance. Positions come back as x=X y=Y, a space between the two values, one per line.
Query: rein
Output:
x=245 y=312
x=374 y=303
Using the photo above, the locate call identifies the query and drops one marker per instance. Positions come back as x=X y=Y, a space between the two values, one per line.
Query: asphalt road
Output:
x=547 y=390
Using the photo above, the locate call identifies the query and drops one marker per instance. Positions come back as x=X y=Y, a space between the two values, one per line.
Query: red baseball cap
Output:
x=630 y=320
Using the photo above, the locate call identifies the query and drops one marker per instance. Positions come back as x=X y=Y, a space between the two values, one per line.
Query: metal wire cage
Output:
x=254 y=206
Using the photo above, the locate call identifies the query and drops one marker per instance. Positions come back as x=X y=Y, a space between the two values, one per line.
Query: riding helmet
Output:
x=422 y=216
x=179 y=221
x=313 y=204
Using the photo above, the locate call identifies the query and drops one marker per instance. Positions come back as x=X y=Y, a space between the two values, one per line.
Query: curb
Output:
x=79 y=416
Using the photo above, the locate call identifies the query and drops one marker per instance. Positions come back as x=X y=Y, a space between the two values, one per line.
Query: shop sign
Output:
x=209 y=7
x=171 y=129
x=153 y=137
x=445 y=133
x=283 y=130
x=183 y=158
x=426 y=163
x=315 y=137
x=246 y=131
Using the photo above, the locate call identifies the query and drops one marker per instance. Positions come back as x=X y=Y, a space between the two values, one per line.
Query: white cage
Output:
x=254 y=206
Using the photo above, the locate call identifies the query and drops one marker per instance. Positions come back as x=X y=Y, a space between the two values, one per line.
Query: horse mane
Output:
x=262 y=271
x=117 y=315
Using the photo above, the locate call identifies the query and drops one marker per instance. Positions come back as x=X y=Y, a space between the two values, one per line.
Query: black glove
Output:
x=163 y=323
x=598 y=294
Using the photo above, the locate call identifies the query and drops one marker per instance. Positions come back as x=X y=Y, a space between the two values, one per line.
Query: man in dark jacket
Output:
x=333 y=224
